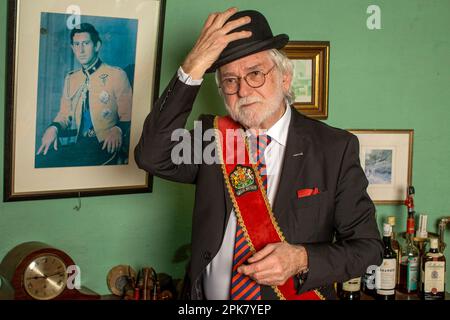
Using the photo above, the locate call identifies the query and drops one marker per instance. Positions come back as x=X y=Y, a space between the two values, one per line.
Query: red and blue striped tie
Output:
x=242 y=286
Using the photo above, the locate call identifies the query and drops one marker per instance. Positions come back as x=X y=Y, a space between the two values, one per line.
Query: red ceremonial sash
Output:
x=249 y=198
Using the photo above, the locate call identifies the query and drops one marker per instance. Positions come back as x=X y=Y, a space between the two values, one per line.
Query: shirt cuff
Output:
x=186 y=79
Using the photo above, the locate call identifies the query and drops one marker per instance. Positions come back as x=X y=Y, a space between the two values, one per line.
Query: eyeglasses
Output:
x=254 y=79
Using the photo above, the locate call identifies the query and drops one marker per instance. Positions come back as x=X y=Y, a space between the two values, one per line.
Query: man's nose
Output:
x=244 y=89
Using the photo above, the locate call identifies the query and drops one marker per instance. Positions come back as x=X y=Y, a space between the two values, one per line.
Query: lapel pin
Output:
x=298 y=154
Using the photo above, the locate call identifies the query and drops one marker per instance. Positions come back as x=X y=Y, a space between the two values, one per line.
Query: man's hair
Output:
x=86 y=27
x=283 y=64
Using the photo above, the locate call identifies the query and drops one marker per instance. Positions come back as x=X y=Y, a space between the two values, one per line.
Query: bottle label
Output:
x=411 y=273
x=385 y=292
x=434 y=276
x=410 y=226
x=352 y=285
x=386 y=275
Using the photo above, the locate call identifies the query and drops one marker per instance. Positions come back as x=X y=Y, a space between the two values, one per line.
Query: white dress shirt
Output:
x=217 y=276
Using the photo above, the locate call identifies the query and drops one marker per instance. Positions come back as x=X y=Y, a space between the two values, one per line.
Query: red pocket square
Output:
x=307 y=192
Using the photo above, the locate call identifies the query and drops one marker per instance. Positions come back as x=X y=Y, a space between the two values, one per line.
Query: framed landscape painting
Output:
x=386 y=158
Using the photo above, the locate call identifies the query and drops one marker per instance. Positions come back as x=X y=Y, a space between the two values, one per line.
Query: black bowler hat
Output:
x=261 y=39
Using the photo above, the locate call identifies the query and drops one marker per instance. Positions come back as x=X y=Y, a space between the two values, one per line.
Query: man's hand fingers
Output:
x=229 y=26
x=223 y=17
x=104 y=144
x=55 y=145
x=209 y=21
x=261 y=254
x=46 y=148
x=40 y=149
x=265 y=264
x=264 y=277
x=249 y=269
x=237 y=35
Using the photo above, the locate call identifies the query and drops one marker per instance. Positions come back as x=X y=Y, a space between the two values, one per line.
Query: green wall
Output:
x=394 y=78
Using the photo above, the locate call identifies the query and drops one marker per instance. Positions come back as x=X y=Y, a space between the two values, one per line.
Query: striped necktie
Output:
x=242 y=286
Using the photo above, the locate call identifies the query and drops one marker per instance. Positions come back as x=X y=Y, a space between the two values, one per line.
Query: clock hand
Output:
x=44 y=276
x=55 y=274
x=37 y=277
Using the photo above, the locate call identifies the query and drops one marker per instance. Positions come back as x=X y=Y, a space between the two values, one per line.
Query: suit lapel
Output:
x=297 y=146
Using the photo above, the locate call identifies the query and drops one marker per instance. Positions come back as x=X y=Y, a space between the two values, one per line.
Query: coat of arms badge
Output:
x=243 y=180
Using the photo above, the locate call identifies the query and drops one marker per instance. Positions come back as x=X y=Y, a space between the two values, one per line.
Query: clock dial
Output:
x=45 y=277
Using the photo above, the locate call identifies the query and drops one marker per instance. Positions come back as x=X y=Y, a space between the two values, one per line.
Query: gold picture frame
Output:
x=386 y=158
x=311 y=76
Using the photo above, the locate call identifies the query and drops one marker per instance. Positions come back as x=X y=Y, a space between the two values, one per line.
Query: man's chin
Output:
x=250 y=121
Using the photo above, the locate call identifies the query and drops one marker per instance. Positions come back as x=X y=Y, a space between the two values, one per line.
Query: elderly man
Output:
x=293 y=222
x=95 y=110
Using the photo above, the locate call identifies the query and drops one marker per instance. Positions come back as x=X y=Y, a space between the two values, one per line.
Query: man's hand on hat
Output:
x=213 y=39
x=276 y=263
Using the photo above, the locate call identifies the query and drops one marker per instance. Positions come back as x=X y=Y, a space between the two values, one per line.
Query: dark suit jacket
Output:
x=337 y=226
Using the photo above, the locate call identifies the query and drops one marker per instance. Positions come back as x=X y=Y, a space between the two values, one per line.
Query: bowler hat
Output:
x=261 y=39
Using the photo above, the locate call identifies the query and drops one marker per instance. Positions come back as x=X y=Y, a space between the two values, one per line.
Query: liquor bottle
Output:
x=396 y=248
x=386 y=272
x=433 y=273
x=409 y=202
x=349 y=290
x=409 y=263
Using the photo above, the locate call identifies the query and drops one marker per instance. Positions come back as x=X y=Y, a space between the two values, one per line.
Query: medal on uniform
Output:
x=104 y=97
x=103 y=77
x=106 y=113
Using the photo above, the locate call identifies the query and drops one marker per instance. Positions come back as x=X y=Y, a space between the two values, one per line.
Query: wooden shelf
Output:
x=401 y=296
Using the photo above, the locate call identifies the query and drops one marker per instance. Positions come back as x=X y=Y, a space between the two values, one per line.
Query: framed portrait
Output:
x=311 y=72
x=82 y=77
x=386 y=157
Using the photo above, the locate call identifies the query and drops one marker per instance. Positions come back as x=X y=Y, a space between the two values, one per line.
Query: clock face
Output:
x=45 y=277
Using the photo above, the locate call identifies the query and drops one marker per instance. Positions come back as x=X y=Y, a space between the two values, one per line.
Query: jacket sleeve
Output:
x=154 y=150
x=357 y=240
x=124 y=96
x=63 y=118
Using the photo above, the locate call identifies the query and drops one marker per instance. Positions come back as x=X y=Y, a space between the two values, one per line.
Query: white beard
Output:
x=253 y=116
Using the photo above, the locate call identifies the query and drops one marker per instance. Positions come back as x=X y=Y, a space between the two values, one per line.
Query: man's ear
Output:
x=98 y=46
x=287 y=80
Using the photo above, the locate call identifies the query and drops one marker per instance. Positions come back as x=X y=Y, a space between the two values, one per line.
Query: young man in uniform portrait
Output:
x=95 y=110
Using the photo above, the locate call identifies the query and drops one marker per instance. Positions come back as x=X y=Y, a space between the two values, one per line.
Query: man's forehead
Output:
x=82 y=36
x=253 y=61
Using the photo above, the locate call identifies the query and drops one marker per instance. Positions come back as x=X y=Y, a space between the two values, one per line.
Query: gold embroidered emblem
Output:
x=242 y=180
